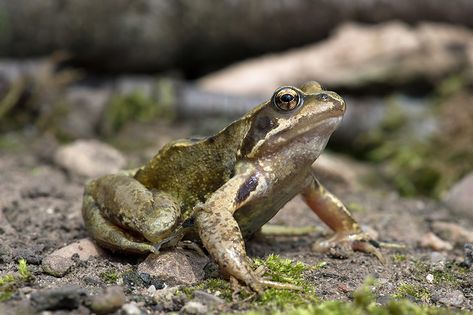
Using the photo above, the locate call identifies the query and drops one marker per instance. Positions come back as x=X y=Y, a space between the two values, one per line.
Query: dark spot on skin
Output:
x=188 y=223
x=211 y=140
x=264 y=124
x=245 y=190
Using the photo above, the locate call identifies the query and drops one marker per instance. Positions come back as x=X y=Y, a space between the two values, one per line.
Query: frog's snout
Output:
x=338 y=103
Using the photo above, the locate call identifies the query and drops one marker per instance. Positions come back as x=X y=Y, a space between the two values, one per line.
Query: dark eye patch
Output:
x=258 y=130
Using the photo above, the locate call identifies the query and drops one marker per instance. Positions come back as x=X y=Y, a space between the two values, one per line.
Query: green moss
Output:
x=6 y=279
x=9 y=283
x=277 y=269
x=364 y=303
x=110 y=276
x=406 y=290
x=216 y=286
x=283 y=269
x=397 y=258
x=451 y=275
x=25 y=273
x=135 y=106
x=286 y=271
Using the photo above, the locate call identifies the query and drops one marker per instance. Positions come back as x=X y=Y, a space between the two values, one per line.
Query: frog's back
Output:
x=190 y=170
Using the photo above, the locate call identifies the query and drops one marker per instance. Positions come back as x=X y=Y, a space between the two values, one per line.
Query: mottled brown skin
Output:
x=225 y=187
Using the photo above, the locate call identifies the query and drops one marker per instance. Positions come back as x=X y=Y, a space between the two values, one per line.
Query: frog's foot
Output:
x=358 y=242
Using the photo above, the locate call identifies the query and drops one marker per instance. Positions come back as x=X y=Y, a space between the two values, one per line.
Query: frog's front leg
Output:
x=122 y=214
x=334 y=213
x=221 y=235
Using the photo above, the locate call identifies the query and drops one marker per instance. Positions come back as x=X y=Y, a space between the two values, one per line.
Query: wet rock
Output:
x=131 y=309
x=66 y=298
x=109 y=301
x=432 y=241
x=468 y=254
x=175 y=267
x=59 y=262
x=89 y=158
x=453 y=232
x=460 y=197
x=450 y=298
x=193 y=307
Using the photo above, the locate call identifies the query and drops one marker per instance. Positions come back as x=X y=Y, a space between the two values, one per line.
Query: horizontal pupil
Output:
x=287 y=98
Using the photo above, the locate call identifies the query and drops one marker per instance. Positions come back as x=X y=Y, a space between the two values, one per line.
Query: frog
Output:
x=220 y=190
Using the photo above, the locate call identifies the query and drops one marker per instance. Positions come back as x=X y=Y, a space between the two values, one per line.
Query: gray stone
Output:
x=109 y=301
x=65 y=298
x=438 y=260
x=193 y=307
x=207 y=298
x=89 y=158
x=453 y=298
x=460 y=197
x=175 y=267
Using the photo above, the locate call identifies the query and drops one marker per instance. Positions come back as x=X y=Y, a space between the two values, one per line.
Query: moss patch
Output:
x=110 y=276
x=9 y=283
x=407 y=290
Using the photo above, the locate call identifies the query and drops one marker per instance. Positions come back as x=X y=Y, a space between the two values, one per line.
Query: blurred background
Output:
x=83 y=75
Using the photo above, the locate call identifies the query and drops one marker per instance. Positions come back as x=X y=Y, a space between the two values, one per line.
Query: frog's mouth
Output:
x=307 y=128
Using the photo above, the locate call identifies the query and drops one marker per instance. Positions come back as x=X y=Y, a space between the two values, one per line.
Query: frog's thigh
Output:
x=329 y=208
x=126 y=202
x=107 y=234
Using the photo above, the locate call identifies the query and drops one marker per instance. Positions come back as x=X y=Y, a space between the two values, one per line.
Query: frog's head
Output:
x=299 y=120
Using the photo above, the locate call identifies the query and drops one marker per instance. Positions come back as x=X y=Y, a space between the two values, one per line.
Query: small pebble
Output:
x=430 y=278
x=459 y=199
x=194 y=308
x=109 y=301
x=437 y=261
x=59 y=262
x=207 y=298
x=453 y=298
x=89 y=158
x=131 y=309
x=175 y=267
x=151 y=290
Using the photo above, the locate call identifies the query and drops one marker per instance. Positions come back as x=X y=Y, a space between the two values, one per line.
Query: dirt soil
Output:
x=40 y=212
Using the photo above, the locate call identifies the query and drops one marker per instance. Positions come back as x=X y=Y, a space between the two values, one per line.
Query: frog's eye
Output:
x=286 y=99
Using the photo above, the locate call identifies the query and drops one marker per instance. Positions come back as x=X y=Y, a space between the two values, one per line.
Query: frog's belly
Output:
x=256 y=213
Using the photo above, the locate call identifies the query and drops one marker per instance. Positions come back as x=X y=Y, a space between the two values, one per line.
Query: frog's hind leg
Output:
x=122 y=214
x=108 y=235
x=333 y=213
